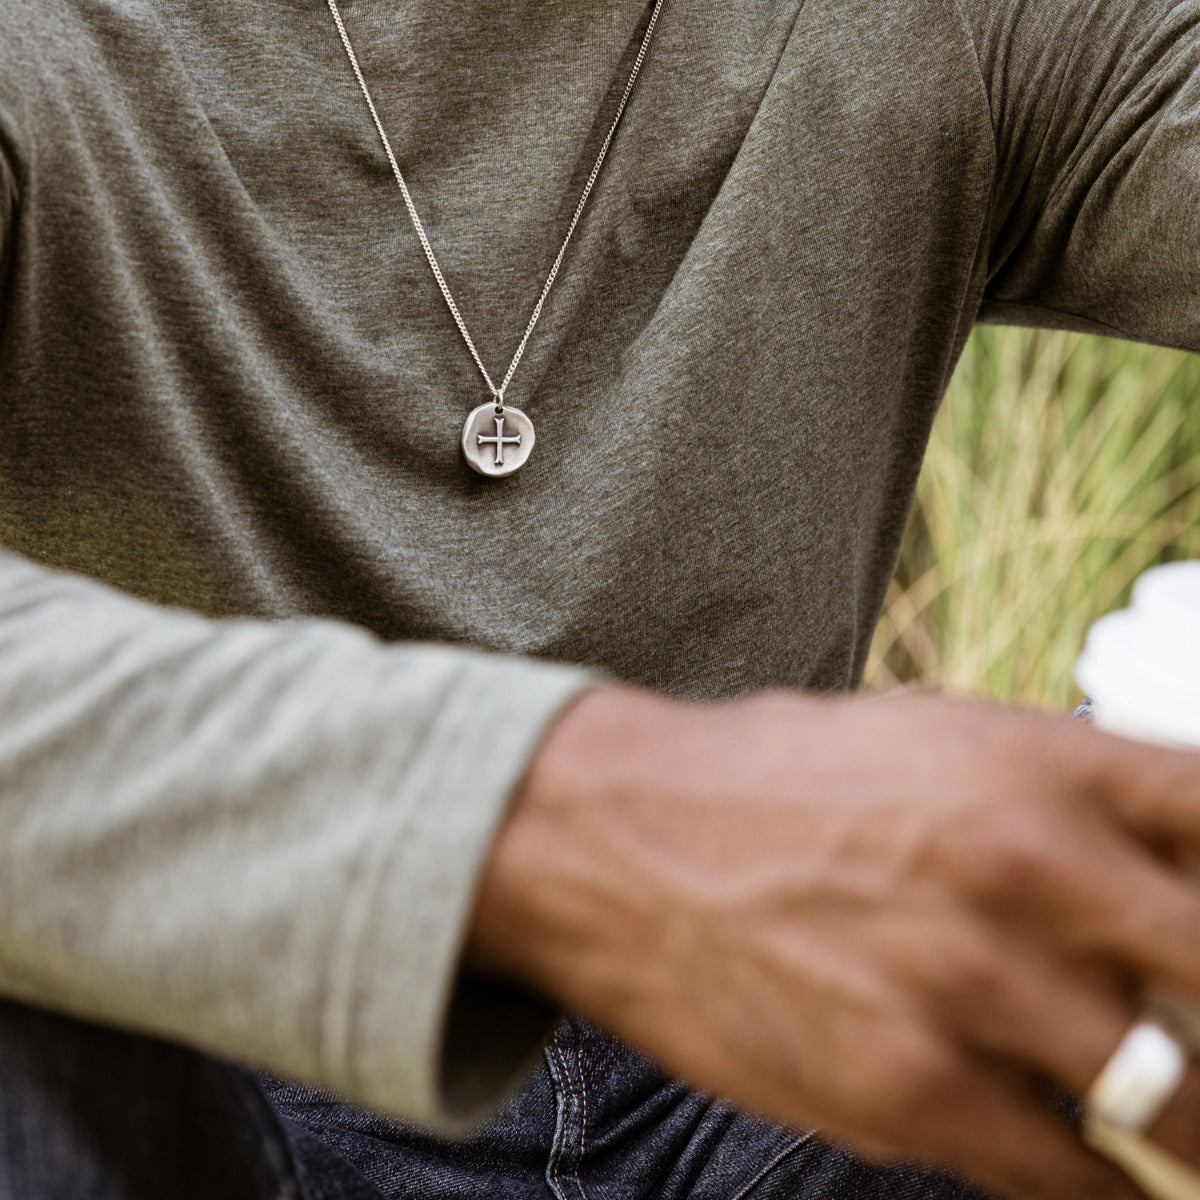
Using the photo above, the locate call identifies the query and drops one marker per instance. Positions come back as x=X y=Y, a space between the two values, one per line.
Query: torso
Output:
x=231 y=383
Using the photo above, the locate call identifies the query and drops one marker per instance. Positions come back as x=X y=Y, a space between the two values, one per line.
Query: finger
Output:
x=1103 y=895
x=1064 y=1024
x=1153 y=790
x=1152 y=927
x=1013 y=1000
x=998 y=1125
x=1178 y=1128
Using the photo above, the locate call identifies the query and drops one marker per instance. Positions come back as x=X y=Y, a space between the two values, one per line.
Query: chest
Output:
x=731 y=380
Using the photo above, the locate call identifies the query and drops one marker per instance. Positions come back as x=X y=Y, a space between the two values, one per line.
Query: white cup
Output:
x=1141 y=667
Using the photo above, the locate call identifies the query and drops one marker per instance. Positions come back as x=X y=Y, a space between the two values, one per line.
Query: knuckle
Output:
x=918 y=1078
x=975 y=976
x=1017 y=861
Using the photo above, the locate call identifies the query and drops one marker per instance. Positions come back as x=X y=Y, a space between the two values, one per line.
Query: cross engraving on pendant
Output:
x=500 y=441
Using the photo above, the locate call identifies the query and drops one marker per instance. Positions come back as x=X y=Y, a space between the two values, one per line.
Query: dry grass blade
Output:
x=1059 y=468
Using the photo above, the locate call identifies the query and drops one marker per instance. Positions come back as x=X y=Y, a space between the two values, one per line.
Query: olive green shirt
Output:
x=272 y=659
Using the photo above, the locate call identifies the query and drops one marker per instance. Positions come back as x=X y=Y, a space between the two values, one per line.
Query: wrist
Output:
x=563 y=905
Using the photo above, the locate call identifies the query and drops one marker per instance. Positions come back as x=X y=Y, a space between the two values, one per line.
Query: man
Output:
x=427 y=757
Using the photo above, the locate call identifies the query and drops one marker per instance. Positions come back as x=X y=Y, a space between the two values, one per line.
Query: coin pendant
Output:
x=497 y=440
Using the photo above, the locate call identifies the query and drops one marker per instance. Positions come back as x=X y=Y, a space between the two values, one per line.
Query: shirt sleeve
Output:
x=1096 y=111
x=262 y=838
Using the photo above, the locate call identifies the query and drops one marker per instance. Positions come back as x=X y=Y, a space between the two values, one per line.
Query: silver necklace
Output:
x=497 y=439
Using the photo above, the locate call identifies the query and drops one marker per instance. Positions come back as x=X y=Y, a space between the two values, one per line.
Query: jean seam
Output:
x=780 y=1158
x=583 y=1125
x=554 y=1068
x=565 y=1161
x=568 y=1148
x=577 y=1156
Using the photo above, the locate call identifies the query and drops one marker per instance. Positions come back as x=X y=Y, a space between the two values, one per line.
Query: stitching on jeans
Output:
x=560 y=1122
x=568 y=1084
x=575 y=1099
x=558 y=1062
x=568 y=1105
x=788 y=1150
x=582 y=1126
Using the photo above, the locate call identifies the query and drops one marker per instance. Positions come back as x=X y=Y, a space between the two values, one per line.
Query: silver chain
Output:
x=497 y=392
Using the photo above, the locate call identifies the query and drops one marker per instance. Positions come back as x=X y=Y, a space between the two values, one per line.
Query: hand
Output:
x=896 y=920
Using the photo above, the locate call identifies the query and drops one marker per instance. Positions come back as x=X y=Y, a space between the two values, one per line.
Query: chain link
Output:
x=497 y=392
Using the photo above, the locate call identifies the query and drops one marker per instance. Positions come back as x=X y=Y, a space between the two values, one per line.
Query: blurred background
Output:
x=1060 y=468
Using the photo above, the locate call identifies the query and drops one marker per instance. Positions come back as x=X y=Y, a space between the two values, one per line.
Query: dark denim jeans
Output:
x=88 y=1113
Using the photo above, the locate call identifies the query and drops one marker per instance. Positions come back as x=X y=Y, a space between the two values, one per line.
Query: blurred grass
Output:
x=1060 y=467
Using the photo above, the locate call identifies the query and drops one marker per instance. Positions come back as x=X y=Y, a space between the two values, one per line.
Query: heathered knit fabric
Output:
x=255 y=746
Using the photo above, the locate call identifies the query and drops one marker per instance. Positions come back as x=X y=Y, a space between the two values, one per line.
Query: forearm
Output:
x=260 y=838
